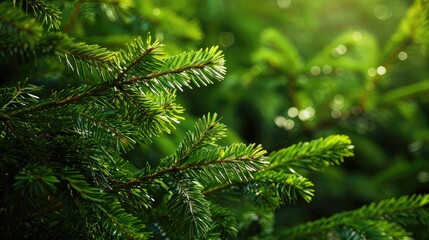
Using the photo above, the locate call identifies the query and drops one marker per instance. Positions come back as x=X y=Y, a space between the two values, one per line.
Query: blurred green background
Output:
x=298 y=70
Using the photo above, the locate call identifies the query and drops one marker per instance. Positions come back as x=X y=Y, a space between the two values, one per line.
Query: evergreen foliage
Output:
x=383 y=220
x=63 y=153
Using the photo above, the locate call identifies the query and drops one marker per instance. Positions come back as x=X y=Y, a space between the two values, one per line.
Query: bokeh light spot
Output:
x=357 y=36
x=362 y=126
x=423 y=177
x=340 y=71
x=292 y=112
x=337 y=102
x=382 y=12
x=339 y=50
x=284 y=3
x=226 y=39
x=372 y=72
x=279 y=121
x=289 y=124
x=315 y=70
x=327 y=69
x=381 y=70
x=156 y=11
x=336 y=113
x=402 y=56
x=285 y=123
x=256 y=70
x=306 y=114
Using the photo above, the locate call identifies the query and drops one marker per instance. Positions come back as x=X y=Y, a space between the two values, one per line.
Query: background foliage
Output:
x=297 y=71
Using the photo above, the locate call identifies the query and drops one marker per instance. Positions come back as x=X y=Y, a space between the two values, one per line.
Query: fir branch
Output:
x=206 y=132
x=18 y=26
x=102 y=130
x=138 y=58
x=255 y=222
x=283 y=187
x=14 y=98
x=314 y=155
x=21 y=95
x=270 y=188
x=77 y=181
x=218 y=188
x=9 y=96
x=36 y=181
x=171 y=111
x=63 y=98
x=116 y=3
x=249 y=160
x=90 y=53
x=80 y=57
x=137 y=106
x=279 y=183
x=413 y=29
x=9 y=125
x=11 y=49
x=373 y=230
x=223 y=222
x=136 y=200
x=403 y=211
x=46 y=13
x=159 y=114
x=155 y=113
x=78 y=10
x=226 y=164
x=199 y=67
x=189 y=209
x=210 y=67
x=120 y=223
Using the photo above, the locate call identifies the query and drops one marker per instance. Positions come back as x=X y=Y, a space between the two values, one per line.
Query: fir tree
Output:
x=64 y=168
